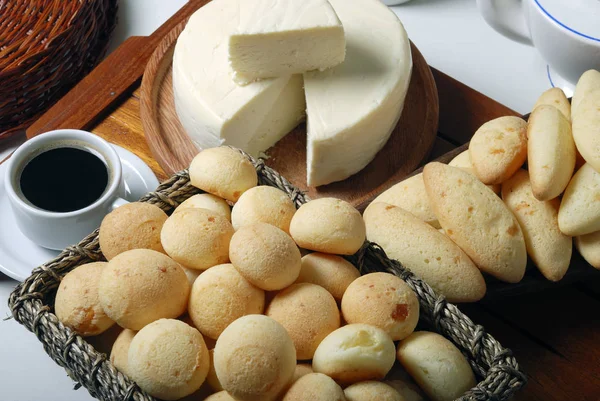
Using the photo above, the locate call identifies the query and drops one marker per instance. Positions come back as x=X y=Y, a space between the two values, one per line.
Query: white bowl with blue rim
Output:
x=565 y=32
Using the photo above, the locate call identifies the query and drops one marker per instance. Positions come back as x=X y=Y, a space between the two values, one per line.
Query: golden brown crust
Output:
x=308 y=312
x=477 y=221
x=134 y=225
x=382 y=300
x=498 y=149
x=328 y=225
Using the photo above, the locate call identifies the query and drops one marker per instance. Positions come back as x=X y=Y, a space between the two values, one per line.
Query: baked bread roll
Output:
x=410 y=195
x=168 y=359
x=254 y=358
x=77 y=304
x=371 y=391
x=191 y=274
x=265 y=256
x=354 y=353
x=477 y=221
x=263 y=204
x=463 y=161
x=220 y=396
x=550 y=152
x=589 y=247
x=208 y=202
x=211 y=377
x=221 y=295
x=588 y=82
x=579 y=212
x=549 y=248
x=382 y=300
x=331 y=272
x=120 y=350
x=426 y=252
x=140 y=286
x=586 y=128
x=437 y=366
x=555 y=97
x=134 y=225
x=498 y=149
x=308 y=312
x=315 y=387
x=223 y=171
x=197 y=238
x=328 y=225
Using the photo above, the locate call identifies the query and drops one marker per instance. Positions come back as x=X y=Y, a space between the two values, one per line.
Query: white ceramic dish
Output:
x=566 y=33
x=18 y=255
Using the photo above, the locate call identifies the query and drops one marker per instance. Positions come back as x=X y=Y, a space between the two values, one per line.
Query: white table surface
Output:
x=452 y=37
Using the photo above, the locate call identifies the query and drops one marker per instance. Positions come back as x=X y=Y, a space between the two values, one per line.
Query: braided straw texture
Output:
x=31 y=305
x=46 y=47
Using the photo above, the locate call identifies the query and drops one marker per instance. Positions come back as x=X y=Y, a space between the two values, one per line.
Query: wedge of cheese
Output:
x=212 y=108
x=276 y=38
x=352 y=108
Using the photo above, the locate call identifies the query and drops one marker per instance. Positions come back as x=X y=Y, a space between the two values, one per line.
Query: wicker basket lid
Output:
x=46 y=47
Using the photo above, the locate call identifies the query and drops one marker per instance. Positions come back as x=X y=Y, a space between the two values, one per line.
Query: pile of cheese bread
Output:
x=246 y=72
x=254 y=302
x=484 y=212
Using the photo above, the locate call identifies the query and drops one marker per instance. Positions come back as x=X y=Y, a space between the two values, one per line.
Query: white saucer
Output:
x=18 y=255
x=559 y=82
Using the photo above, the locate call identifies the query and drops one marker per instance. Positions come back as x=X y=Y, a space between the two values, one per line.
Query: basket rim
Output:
x=495 y=365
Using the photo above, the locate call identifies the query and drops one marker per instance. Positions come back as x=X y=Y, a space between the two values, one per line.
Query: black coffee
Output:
x=64 y=179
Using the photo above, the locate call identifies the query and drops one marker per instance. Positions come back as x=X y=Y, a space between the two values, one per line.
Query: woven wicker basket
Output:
x=46 y=47
x=32 y=301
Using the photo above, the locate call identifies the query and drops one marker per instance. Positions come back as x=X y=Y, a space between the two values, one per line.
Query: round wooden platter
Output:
x=408 y=146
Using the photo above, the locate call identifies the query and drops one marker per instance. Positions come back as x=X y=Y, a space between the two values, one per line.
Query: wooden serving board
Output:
x=410 y=143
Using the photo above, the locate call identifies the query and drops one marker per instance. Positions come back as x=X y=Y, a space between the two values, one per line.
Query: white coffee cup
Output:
x=565 y=32
x=56 y=230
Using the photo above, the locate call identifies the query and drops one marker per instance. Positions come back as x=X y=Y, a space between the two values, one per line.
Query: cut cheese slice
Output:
x=276 y=38
x=353 y=108
x=212 y=108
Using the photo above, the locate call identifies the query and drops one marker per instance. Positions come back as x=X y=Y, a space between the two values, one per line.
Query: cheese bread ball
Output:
x=308 y=312
x=77 y=304
x=255 y=358
x=315 y=387
x=401 y=381
x=438 y=367
x=197 y=238
x=208 y=202
x=120 y=350
x=328 y=225
x=302 y=369
x=263 y=204
x=140 y=286
x=354 y=353
x=265 y=255
x=372 y=391
x=221 y=295
x=224 y=172
x=210 y=343
x=135 y=225
x=331 y=272
x=220 y=396
x=383 y=300
x=168 y=359
x=211 y=377
x=191 y=274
